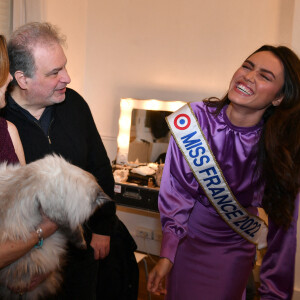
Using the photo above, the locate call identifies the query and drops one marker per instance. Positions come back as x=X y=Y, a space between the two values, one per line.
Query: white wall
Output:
x=137 y=219
x=178 y=50
x=166 y=49
x=71 y=18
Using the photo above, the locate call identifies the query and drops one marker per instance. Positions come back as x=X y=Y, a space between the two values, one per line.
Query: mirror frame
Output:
x=126 y=107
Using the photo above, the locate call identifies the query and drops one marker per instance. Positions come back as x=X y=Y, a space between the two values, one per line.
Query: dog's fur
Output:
x=67 y=195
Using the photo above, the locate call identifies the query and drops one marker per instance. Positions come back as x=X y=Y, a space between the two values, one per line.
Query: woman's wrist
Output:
x=48 y=227
x=40 y=236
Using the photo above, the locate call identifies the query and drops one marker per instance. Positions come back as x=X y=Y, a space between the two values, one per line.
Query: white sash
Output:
x=194 y=147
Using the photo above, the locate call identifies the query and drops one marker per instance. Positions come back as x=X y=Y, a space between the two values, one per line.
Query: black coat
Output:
x=73 y=135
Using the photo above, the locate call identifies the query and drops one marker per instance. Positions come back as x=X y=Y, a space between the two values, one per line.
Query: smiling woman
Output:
x=255 y=86
x=245 y=156
x=279 y=145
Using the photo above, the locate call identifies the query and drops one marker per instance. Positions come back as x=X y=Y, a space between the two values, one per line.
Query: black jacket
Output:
x=73 y=135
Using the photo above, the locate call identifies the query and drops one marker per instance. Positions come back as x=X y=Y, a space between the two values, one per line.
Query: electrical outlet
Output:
x=143 y=232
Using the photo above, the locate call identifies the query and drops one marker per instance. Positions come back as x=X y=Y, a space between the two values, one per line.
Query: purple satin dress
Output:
x=7 y=150
x=211 y=261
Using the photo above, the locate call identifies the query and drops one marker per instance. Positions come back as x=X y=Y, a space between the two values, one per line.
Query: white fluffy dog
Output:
x=67 y=195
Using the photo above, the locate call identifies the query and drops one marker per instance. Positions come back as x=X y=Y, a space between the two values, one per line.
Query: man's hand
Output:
x=101 y=245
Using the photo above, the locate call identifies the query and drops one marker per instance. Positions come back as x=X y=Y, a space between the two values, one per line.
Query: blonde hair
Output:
x=4 y=61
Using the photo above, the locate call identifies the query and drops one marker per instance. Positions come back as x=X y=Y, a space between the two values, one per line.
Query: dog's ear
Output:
x=102 y=198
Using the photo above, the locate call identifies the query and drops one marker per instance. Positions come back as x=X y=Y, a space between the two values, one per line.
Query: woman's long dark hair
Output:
x=279 y=146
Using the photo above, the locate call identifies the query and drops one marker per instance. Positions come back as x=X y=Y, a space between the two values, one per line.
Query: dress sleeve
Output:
x=177 y=196
x=278 y=266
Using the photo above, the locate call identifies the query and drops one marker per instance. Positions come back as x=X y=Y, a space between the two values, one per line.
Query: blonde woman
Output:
x=11 y=151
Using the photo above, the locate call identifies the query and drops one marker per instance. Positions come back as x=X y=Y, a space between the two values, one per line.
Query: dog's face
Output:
x=69 y=194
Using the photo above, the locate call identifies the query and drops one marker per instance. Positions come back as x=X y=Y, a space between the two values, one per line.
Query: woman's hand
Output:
x=10 y=251
x=48 y=226
x=157 y=275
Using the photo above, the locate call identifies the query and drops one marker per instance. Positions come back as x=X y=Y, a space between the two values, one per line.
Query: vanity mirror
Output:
x=142 y=143
x=143 y=132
